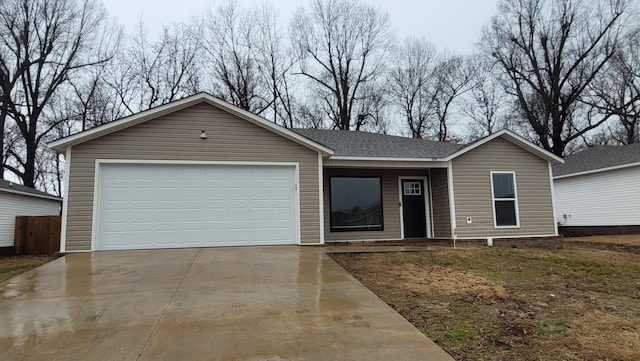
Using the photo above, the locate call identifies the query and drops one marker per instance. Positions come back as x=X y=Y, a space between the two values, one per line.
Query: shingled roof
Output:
x=363 y=144
x=600 y=157
x=11 y=187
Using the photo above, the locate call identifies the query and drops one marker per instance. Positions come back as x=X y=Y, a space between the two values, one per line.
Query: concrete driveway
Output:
x=249 y=303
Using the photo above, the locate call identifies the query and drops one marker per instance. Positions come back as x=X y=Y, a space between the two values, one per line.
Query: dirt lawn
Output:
x=579 y=303
x=13 y=266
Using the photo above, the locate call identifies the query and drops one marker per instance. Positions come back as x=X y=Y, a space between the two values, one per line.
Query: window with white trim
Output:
x=412 y=188
x=505 y=199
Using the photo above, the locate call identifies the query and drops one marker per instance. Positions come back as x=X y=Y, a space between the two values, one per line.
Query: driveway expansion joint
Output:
x=164 y=310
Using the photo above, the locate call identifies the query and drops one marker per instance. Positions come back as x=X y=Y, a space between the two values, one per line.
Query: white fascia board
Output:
x=60 y=144
x=600 y=170
x=387 y=159
x=13 y=191
x=514 y=138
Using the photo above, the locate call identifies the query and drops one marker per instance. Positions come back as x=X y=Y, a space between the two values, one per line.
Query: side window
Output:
x=505 y=199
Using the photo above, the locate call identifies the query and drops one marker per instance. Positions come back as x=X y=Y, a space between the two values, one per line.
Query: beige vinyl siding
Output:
x=390 y=203
x=440 y=203
x=175 y=136
x=473 y=194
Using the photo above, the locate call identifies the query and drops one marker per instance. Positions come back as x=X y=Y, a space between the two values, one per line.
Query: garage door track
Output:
x=248 y=303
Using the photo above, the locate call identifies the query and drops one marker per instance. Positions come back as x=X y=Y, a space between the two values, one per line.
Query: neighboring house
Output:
x=18 y=200
x=201 y=172
x=599 y=188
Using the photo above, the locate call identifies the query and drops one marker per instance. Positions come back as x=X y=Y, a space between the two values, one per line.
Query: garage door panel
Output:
x=173 y=206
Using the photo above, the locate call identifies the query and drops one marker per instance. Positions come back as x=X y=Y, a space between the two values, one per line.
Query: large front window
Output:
x=356 y=204
x=505 y=199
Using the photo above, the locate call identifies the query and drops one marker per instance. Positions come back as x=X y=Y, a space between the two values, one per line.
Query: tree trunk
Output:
x=3 y=117
x=28 y=178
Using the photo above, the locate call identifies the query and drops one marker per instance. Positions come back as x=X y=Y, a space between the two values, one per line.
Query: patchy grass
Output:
x=621 y=243
x=13 y=266
x=513 y=304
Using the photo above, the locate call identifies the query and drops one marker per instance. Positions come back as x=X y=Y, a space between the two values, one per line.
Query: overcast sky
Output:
x=450 y=24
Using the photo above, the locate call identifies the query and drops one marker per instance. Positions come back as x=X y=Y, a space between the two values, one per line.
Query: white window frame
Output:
x=412 y=190
x=515 y=200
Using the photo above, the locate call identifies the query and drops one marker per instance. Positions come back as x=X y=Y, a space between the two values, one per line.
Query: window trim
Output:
x=412 y=189
x=374 y=229
x=515 y=200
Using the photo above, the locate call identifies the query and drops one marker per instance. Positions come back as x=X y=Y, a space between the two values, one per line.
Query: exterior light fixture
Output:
x=203 y=135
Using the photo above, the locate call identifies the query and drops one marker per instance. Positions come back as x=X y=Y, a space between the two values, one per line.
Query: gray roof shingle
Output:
x=363 y=144
x=599 y=157
x=11 y=186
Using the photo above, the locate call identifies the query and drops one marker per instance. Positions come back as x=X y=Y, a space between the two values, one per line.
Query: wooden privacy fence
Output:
x=37 y=235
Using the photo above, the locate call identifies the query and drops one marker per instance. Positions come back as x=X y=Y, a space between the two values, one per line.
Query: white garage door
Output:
x=142 y=206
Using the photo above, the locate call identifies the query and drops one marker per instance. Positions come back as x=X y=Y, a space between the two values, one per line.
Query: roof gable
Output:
x=599 y=159
x=11 y=187
x=512 y=138
x=130 y=121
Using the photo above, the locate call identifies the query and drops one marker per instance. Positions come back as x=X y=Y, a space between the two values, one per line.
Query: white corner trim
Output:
x=401 y=208
x=452 y=200
x=96 y=202
x=553 y=200
x=65 y=200
x=321 y=196
x=599 y=170
x=297 y=202
x=433 y=225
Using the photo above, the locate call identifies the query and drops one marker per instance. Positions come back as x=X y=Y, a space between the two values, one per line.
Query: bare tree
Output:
x=230 y=46
x=549 y=53
x=410 y=84
x=617 y=92
x=484 y=104
x=91 y=101
x=273 y=62
x=151 y=73
x=44 y=45
x=342 y=47
x=452 y=77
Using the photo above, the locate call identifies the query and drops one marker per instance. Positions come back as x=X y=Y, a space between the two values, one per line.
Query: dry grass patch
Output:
x=628 y=243
x=448 y=282
x=13 y=266
x=513 y=304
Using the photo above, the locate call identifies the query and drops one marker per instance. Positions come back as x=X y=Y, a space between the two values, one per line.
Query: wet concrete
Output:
x=247 y=303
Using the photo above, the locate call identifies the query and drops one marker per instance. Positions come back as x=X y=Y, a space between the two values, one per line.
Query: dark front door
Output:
x=413 y=208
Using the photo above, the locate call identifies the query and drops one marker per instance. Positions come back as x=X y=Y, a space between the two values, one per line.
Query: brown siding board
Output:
x=472 y=185
x=175 y=137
